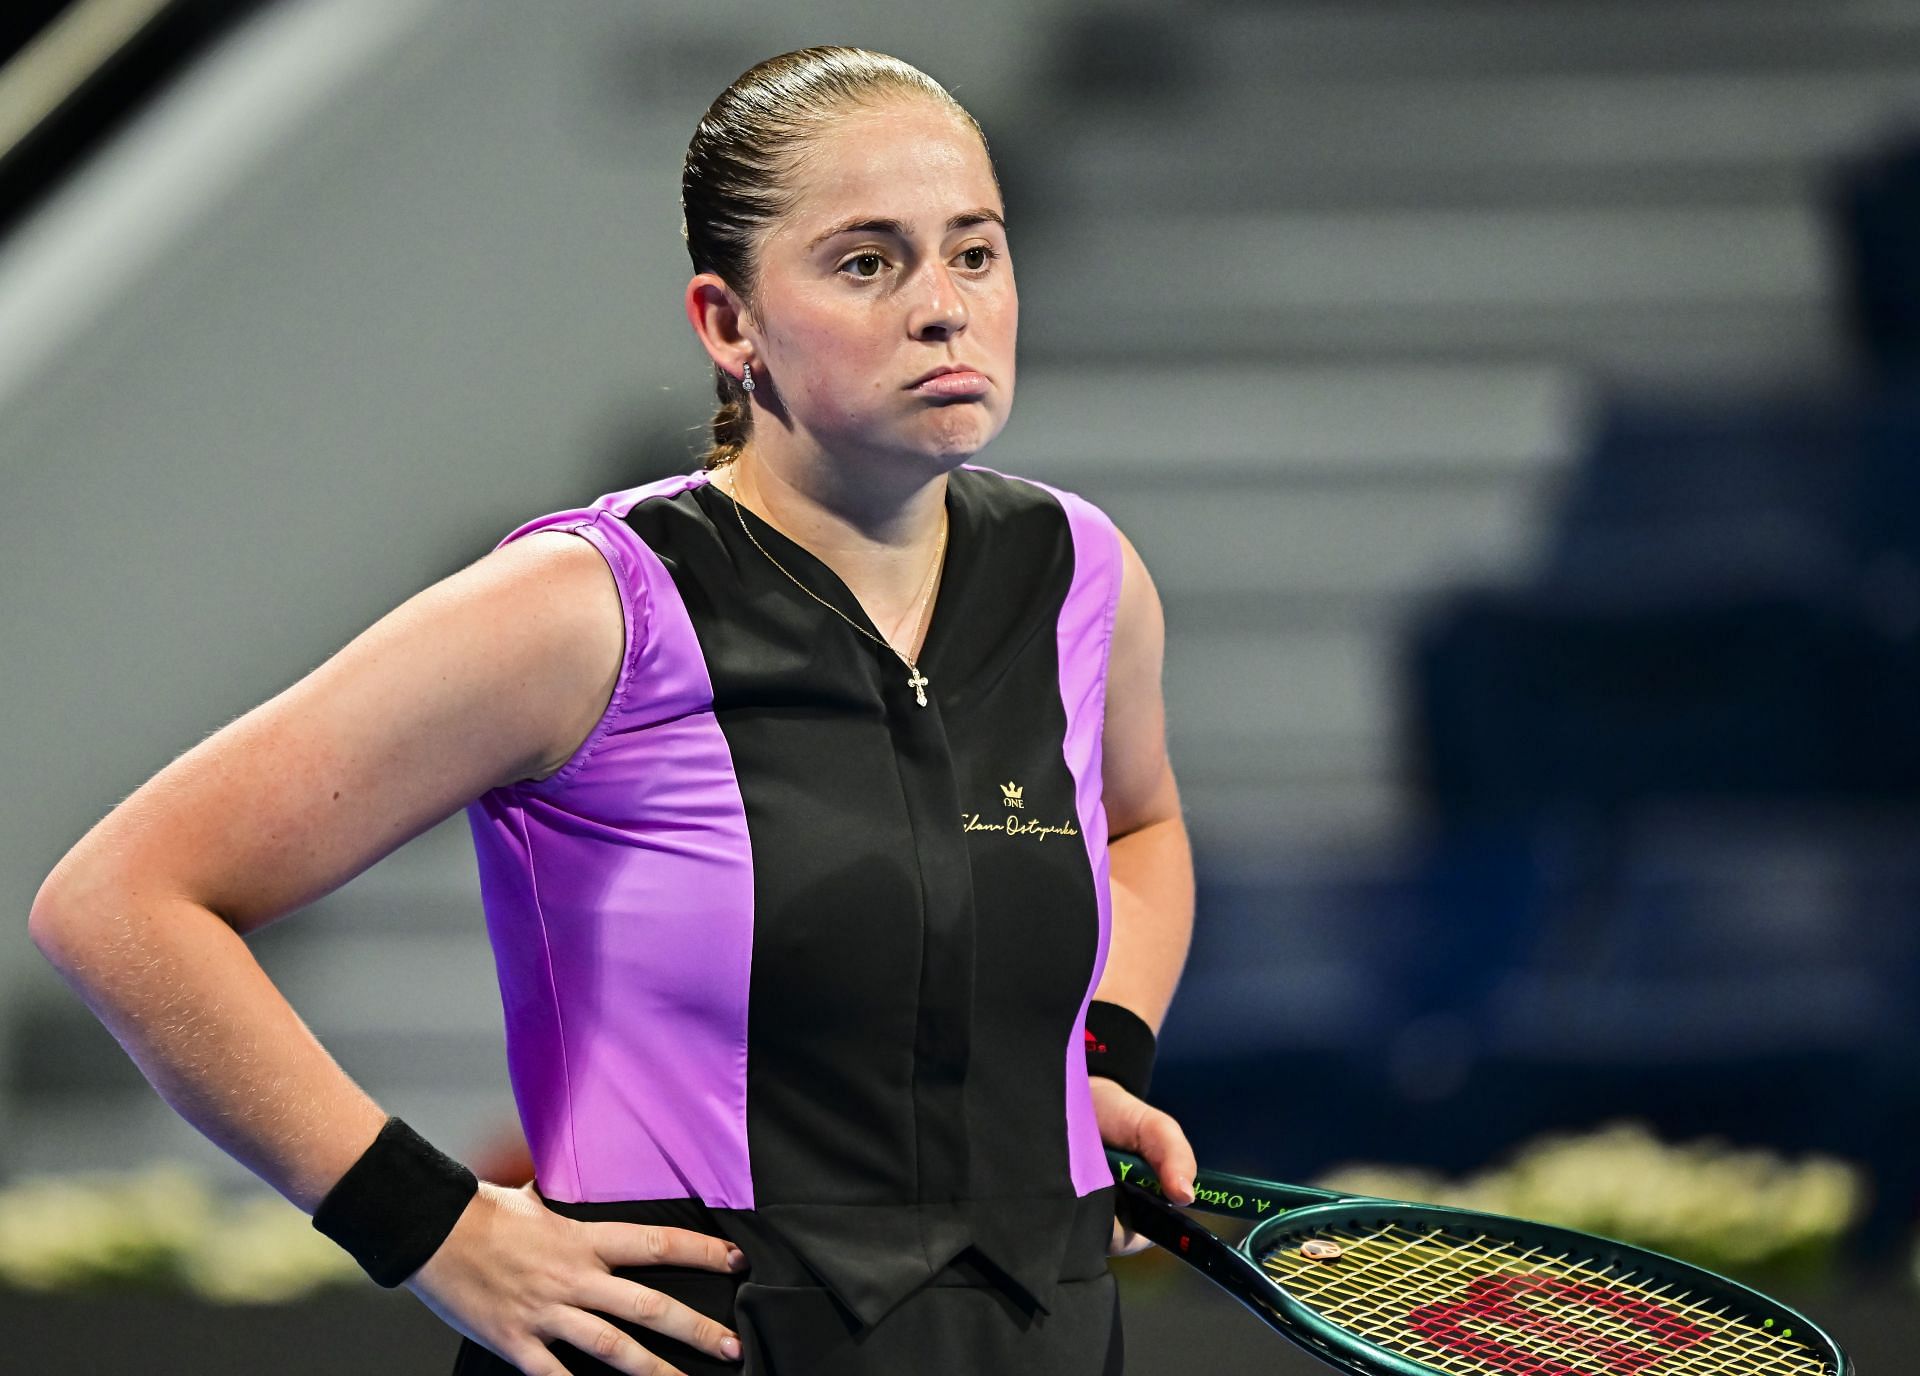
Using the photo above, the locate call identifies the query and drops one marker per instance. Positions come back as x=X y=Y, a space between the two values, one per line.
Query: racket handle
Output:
x=1217 y=1192
x=1165 y=1226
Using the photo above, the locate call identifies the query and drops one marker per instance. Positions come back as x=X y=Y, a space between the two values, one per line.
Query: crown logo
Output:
x=1010 y=794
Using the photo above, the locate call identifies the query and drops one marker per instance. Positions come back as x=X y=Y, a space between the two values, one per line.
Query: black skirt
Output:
x=969 y=1319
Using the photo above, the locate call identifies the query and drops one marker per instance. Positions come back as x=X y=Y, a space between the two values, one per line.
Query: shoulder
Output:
x=1010 y=492
x=1005 y=497
x=586 y=581
x=626 y=527
x=604 y=519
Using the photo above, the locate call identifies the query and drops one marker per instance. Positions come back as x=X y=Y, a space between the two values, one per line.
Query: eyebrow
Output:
x=899 y=229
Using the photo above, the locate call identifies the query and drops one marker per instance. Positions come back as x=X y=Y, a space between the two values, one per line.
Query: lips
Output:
x=941 y=371
x=952 y=380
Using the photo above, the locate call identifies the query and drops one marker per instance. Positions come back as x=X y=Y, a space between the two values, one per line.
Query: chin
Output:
x=954 y=439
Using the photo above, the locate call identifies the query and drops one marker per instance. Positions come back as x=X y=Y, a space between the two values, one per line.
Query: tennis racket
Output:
x=1379 y=1287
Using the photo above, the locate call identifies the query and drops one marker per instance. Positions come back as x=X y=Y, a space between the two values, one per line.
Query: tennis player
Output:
x=830 y=851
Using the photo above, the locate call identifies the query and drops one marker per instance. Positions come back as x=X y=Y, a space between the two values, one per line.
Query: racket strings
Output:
x=1480 y=1306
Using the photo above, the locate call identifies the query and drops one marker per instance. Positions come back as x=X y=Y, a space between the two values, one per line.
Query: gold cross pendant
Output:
x=918 y=682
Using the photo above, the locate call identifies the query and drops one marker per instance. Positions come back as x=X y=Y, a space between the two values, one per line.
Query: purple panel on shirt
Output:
x=619 y=898
x=1085 y=637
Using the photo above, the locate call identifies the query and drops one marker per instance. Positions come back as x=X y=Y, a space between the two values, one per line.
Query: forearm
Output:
x=182 y=993
x=1150 y=874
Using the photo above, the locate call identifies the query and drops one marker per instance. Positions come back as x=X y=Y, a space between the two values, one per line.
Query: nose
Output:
x=940 y=311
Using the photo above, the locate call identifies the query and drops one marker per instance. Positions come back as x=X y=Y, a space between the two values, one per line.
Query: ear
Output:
x=717 y=315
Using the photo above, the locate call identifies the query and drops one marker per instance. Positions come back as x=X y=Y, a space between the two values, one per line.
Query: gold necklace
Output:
x=915 y=679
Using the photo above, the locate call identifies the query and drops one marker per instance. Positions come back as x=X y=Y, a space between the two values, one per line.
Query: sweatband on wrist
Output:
x=1119 y=1046
x=396 y=1204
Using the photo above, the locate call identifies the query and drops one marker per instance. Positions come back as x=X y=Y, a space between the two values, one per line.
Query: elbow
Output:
x=87 y=916
x=61 y=918
x=50 y=925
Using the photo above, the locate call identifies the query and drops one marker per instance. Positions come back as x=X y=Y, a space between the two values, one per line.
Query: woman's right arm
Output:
x=493 y=675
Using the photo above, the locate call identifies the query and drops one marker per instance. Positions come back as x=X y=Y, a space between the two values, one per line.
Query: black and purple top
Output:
x=781 y=941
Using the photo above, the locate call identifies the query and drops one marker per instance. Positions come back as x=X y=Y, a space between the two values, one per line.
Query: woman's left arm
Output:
x=1150 y=870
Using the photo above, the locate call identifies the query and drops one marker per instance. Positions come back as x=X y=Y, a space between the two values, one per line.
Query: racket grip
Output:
x=1166 y=1227
x=1151 y=1217
x=1216 y=1192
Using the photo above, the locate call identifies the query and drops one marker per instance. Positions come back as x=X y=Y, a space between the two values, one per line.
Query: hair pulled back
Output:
x=734 y=182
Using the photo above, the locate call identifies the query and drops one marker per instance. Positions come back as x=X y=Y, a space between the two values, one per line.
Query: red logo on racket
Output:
x=1493 y=1320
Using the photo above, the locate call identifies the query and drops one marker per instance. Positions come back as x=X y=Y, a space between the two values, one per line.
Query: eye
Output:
x=865 y=265
x=977 y=257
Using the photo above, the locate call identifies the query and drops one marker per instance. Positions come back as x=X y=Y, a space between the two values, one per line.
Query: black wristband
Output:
x=396 y=1204
x=1119 y=1046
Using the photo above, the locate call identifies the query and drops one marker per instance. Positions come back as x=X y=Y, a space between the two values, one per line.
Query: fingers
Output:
x=603 y=1342
x=650 y=1309
x=1132 y=1124
x=536 y=1362
x=1164 y=1147
x=519 y=1276
x=640 y=1244
x=1124 y=1243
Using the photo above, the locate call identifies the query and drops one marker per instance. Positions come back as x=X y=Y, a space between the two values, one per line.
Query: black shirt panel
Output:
x=925 y=919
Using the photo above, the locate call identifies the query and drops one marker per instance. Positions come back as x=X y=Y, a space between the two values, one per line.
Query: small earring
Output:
x=746 y=377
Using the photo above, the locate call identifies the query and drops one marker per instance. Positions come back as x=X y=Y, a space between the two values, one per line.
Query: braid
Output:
x=732 y=422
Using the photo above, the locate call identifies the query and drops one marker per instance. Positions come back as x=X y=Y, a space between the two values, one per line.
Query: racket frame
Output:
x=1288 y=1208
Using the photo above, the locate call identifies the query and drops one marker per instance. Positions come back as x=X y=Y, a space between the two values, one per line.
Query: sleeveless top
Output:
x=781 y=941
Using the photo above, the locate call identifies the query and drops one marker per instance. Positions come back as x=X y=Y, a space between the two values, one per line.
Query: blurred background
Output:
x=1516 y=402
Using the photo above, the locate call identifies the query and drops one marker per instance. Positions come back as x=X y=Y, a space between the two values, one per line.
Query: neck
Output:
x=884 y=545
x=842 y=511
